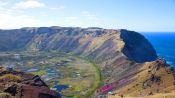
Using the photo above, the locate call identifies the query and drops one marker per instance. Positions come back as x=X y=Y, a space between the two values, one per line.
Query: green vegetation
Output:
x=81 y=74
x=99 y=80
x=40 y=73
x=131 y=63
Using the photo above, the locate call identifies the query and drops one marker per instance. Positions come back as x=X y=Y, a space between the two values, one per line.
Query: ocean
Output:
x=164 y=43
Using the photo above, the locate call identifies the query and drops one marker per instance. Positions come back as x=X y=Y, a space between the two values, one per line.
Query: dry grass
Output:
x=163 y=89
x=10 y=77
x=168 y=95
x=5 y=95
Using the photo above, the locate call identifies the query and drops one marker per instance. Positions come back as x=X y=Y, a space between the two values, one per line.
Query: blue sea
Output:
x=164 y=43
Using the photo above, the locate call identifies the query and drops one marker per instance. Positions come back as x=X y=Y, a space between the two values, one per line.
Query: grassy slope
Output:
x=168 y=95
x=159 y=90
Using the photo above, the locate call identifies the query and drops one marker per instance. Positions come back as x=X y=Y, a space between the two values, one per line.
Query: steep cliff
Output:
x=91 y=41
x=137 y=44
x=119 y=54
x=109 y=48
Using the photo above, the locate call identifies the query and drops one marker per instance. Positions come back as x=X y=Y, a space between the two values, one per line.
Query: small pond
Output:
x=61 y=87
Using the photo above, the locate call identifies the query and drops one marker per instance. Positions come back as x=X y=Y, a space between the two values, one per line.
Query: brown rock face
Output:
x=20 y=85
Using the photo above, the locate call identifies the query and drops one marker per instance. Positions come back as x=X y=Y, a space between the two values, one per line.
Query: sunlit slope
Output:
x=154 y=79
x=119 y=54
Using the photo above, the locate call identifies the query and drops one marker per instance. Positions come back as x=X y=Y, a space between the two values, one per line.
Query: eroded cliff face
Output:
x=111 y=49
x=90 y=41
x=119 y=54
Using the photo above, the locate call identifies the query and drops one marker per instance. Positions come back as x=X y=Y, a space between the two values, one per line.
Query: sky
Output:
x=137 y=15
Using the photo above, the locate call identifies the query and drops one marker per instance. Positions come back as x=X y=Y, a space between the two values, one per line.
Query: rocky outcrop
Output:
x=17 y=85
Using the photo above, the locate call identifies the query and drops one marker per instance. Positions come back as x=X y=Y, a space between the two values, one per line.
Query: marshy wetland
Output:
x=70 y=75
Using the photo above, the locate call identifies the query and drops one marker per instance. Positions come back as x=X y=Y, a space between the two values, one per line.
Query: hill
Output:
x=127 y=61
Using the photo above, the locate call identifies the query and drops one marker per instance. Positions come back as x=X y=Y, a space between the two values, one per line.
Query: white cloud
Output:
x=10 y=21
x=3 y=3
x=1 y=8
x=29 y=4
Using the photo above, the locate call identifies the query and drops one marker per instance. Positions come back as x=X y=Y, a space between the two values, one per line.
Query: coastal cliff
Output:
x=137 y=44
x=120 y=55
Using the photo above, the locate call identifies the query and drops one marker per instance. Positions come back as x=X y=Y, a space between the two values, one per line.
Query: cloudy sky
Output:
x=138 y=15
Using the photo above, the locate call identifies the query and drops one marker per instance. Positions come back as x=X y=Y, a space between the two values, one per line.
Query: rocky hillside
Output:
x=94 y=42
x=21 y=85
x=152 y=80
x=107 y=47
x=119 y=54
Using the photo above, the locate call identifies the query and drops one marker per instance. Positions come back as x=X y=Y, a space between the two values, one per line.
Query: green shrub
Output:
x=131 y=63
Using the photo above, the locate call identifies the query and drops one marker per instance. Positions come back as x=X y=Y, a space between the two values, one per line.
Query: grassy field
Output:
x=99 y=80
x=81 y=75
